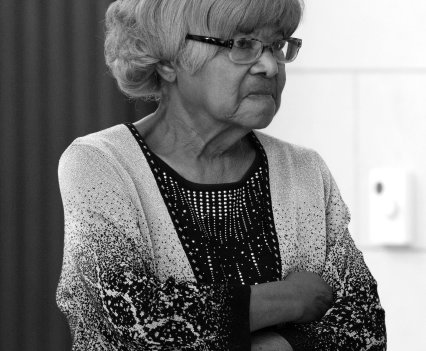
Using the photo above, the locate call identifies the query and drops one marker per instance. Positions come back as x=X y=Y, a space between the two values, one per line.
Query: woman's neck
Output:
x=200 y=153
x=175 y=130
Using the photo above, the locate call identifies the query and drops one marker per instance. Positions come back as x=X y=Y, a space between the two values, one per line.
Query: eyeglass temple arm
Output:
x=215 y=41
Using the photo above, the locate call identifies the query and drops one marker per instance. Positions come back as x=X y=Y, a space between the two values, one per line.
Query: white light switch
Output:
x=390 y=215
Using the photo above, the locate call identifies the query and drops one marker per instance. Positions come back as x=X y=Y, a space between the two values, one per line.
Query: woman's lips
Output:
x=260 y=95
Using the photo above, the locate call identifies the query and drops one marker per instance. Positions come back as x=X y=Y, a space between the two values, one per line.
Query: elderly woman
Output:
x=189 y=229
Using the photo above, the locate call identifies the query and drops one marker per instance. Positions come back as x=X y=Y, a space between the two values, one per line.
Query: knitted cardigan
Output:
x=127 y=284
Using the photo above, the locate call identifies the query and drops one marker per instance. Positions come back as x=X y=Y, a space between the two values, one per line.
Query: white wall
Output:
x=357 y=94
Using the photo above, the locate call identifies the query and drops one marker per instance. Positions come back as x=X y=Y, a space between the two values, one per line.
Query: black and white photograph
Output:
x=212 y=175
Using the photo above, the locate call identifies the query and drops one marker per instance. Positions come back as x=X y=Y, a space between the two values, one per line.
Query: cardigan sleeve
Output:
x=108 y=282
x=356 y=320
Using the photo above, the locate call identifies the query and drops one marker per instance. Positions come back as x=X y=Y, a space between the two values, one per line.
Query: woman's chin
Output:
x=260 y=113
x=257 y=119
x=255 y=112
x=263 y=121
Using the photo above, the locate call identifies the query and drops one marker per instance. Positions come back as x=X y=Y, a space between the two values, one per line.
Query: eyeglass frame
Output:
x=229 y=43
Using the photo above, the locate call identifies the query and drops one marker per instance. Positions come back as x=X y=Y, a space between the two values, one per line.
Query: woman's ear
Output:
x=167 y=71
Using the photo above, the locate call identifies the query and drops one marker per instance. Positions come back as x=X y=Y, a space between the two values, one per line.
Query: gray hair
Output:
x=142 y=33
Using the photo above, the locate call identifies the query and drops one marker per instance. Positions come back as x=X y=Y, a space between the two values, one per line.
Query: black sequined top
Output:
x=227 y=230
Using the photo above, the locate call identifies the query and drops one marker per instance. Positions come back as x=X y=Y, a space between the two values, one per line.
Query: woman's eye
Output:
x=243 y=43
x=278 y=45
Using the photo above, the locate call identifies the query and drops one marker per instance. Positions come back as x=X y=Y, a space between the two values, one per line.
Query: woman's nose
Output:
x=266 y=64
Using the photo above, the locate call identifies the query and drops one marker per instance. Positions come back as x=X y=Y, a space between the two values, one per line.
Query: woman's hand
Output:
x=269 y=341
x=301 y=297
x=312 y=294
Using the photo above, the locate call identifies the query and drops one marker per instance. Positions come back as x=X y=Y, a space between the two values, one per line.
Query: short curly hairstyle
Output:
x=142 y=33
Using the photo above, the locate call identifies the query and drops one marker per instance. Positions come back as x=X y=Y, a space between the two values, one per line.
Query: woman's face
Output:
x=226 y=94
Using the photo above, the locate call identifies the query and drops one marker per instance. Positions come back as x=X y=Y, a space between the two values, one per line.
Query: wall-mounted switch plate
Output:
x=390 y=213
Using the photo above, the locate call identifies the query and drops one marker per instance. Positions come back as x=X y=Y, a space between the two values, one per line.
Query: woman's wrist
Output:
x=272 y=303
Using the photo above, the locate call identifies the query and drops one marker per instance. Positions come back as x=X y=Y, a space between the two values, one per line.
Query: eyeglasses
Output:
x=247 y=50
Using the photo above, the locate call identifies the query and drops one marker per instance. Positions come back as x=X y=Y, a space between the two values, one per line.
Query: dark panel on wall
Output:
x=54 y=87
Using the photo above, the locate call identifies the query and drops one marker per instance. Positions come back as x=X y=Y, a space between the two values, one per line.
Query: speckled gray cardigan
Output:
x=126 y=283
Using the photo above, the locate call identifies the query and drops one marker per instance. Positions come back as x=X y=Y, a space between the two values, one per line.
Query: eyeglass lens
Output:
x=248 y=51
